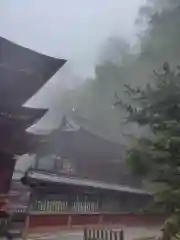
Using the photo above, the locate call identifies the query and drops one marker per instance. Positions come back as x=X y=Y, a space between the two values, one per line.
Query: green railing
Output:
x=57 y=206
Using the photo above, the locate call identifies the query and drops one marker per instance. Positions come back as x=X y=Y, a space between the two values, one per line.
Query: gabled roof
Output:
x=78 y=142
x=85 y=143
x=23 y=72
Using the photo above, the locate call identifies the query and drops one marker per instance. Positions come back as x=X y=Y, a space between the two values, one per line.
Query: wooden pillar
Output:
x=7 y=165
x=36 y=162
x=100 y=219
x=27 y=221
x=26 y=227
x=69 y=221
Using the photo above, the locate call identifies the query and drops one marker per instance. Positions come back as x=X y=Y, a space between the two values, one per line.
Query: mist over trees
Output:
x=119 y=64
x=157 y=106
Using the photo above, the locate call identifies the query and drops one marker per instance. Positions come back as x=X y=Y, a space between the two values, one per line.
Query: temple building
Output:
x=87 y=154
x=57 y=193
x=64 y=192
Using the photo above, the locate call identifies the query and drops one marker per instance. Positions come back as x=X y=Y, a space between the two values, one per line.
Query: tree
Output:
x=157 y=157
x=160 y=40
x=115 y=50
x=119 y=65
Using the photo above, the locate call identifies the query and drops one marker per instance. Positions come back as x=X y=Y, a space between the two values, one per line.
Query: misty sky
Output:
x=72 y=29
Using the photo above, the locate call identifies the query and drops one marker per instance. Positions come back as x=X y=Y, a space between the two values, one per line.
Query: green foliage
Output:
x=157 y=158
x=137 y=159
x=118 y=66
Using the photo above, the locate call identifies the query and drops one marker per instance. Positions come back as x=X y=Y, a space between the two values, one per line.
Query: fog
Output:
x=74 y=30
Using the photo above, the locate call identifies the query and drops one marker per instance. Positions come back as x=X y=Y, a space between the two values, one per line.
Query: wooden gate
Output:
x=103 y=234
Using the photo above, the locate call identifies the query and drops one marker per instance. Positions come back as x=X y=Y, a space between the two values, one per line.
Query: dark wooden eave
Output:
x=13 y=125
x=23 y=72
x=44 y=179
x=19 y=118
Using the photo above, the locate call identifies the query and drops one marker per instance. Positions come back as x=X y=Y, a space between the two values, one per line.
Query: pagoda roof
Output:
x=13 y=125
x=19 y=118
x=23 y=72
x=28 y=143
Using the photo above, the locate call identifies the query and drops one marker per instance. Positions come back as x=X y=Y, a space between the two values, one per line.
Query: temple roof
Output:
x=73 y=140
x=19 y=118
x=13 y=125
x=38 y=176
x=23 y=72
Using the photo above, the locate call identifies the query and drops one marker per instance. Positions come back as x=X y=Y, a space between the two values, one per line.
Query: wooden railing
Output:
x=102 y=234
x=77 y=206
x=65 y=206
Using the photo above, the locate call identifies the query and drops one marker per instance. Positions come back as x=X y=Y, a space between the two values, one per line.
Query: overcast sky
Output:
x=72 y=29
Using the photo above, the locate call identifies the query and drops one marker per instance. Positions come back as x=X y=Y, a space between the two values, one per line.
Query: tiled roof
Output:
x=59 y=179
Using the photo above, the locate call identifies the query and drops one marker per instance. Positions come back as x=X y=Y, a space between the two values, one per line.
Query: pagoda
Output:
x=22 y=73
